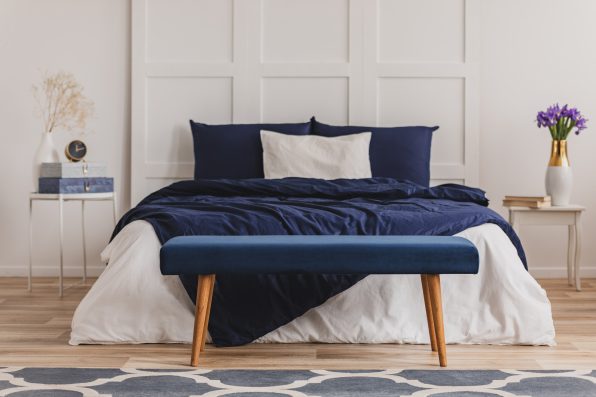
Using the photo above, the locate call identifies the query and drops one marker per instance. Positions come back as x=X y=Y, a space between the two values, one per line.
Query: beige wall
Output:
x=91 y=39
x=526 y=64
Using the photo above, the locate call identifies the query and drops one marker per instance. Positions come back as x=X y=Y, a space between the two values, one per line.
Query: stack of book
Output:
x=527 y=201
x=79 y=177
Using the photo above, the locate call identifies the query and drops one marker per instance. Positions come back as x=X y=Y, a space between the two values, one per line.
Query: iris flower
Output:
x=561 y=121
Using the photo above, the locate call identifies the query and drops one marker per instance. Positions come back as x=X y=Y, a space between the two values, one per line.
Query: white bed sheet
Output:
x=131 y=302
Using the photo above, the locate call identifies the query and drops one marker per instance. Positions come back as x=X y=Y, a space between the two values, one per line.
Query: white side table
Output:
x=61 y=198
x=570 y=216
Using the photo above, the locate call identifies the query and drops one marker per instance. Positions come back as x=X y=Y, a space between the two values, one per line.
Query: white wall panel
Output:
x=438 y=101
x=366 y=62
x=171 y=102
x=421 y=30
x=189 y=30
x=283 y=99
x=305 y=30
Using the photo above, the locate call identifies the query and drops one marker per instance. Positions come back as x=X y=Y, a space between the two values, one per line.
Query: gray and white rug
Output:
x=127 y=382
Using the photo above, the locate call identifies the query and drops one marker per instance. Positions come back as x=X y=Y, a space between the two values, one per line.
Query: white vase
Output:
x=559 y=179
x=559 y=182
x=46 y=153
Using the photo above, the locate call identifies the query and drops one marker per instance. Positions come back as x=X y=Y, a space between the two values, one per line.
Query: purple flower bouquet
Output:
x=561 y=121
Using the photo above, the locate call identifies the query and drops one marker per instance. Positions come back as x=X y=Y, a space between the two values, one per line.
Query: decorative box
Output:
x=73 y=170
x=76 y=185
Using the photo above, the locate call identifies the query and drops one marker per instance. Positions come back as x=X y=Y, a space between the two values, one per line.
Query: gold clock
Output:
x=75 y=151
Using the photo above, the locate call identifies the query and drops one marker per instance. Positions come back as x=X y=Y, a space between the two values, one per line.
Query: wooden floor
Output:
x=35 y=327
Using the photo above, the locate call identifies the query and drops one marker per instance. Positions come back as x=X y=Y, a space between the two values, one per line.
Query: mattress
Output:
x=132 y=302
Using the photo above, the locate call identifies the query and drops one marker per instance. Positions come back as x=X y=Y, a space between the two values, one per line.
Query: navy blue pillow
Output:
x=234 y=150
x=395 y=152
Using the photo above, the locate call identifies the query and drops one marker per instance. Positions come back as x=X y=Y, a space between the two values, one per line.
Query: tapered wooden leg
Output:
x=202 y=304
x=434 y=286
x=206 y=327
x=429 y=313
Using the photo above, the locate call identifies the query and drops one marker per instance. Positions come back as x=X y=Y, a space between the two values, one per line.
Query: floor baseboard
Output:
x=560 y=272
x=50 y=271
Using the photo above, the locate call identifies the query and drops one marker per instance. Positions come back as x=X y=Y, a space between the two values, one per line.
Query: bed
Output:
x=132 y=302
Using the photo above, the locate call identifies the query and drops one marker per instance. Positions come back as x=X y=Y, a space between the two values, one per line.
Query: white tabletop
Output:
x=559 y=208
x=71 y=196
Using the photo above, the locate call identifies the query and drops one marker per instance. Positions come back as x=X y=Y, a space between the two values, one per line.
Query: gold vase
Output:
x=559 y=179
x=558 y=154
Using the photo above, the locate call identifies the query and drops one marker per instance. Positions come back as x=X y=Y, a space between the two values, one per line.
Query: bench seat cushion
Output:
x=329 y=254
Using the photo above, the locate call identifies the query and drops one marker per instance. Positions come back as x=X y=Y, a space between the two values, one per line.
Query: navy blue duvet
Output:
x=247 y=307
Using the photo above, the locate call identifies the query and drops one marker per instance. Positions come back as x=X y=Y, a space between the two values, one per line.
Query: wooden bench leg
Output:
x=202 y=308
x=206 y=327
x=429 y=313
x=434 y=286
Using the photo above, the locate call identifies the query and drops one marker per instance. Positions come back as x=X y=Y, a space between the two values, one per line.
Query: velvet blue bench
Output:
x=428 y=256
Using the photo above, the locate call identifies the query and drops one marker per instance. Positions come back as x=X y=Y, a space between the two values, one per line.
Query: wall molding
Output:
x=560 y=271
x=50 y=271
x=259 y=40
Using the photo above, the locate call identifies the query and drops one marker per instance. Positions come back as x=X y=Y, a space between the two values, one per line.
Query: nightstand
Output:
x=570 y=216
x=61 y=198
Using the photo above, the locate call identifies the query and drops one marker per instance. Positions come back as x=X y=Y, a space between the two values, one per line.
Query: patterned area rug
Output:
x=70 y=382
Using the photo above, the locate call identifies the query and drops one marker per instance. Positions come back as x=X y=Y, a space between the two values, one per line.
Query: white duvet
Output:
x=131 y=302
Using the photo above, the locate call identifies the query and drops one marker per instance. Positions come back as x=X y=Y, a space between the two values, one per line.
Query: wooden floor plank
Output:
x=35 y=326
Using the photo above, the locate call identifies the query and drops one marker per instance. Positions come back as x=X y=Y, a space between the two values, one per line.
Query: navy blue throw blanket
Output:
x=247 y=307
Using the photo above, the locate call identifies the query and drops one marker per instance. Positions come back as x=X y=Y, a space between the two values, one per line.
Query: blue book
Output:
x=76 y=185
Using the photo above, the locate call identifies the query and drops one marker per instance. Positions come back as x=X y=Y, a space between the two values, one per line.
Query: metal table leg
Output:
x=61 y=207
x=114 y=208
x=29 y=281
x=84 y=243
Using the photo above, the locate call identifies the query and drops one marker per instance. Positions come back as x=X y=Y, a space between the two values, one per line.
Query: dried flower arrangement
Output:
x=61 y=103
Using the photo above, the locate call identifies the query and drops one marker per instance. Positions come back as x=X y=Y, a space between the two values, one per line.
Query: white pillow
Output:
x=311 y=156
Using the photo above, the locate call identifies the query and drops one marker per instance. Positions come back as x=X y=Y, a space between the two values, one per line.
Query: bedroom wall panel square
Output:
x=305 y=30
x=438 y=101
x=171 y=102
x=189 y=30
x=297 y=99
x=421 y=30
